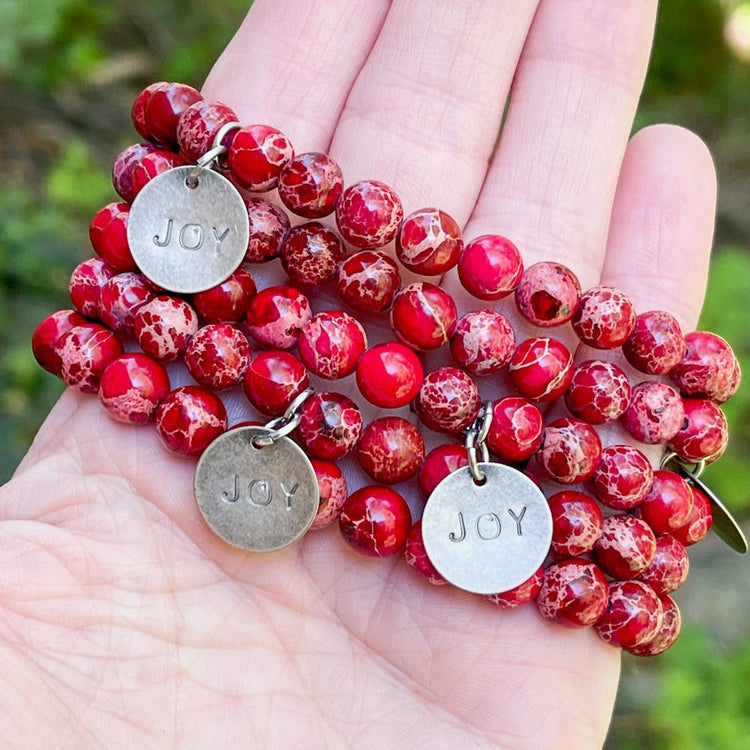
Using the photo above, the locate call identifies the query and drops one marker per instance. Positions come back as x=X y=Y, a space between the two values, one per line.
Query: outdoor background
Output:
x=69 y=70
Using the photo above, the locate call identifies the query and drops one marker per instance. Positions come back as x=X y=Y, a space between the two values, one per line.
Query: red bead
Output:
x=125 y=163
x=429 y=242
x=132 y=387
x=490 y=267
x=119 y=300
x=389 y=375
x=704 y=433
x=276 y=316
x=368 y=214
x=375 y=521
x=448 y=400
x=229 y=301
x=667 y=633
x=332 y=490
x=669 y=567
x=138 y=113
x=108 y=233
x=311 y=253
x=700 y=520
x=626 y=546
x=268 y=227
x=669 y=504
x=655 y=413
x=548 y=294
x=416 y=557
x=331 y=343
x=541 y=369
x=48 y=333
x=368 y=281
x=310 y=184
x=152 y=165
x=599 y=392
x=330 y=425
x=570 y=450
x=604 y=319
x=656 y=343
x=218 y=356
x=86 y=283
x=198 y=125
x=273 y=380
x=423 y=316
x=256 y=156
x=390 y=450
x=164 y=326
x=438 y=464
x=85 y=351
x=707 y=367
x=573 y=593
x=516 y=429
x=623 y=477
x=576 y=523
x=189 y=419
x=163 y=109
x=483 y=342
x=524 y=593
x=633 y=615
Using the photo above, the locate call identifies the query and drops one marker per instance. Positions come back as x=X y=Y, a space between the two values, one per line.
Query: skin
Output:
x=124 y=622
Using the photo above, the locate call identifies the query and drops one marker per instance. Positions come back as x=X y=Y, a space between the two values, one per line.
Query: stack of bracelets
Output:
x=605 y=548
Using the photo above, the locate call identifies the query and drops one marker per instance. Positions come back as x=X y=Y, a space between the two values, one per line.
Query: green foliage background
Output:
x=69 y=70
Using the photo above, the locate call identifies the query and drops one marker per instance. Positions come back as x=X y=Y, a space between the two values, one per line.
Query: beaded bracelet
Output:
x=605 y=550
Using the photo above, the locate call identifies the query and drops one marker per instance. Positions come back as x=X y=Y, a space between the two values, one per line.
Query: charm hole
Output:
x=192 y=182
x=260 y=442
x=480 y=482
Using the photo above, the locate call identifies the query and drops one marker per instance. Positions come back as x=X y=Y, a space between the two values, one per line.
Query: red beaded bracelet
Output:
x=170 y=274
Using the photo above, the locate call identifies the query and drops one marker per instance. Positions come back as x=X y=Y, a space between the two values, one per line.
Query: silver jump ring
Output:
x=282 y=426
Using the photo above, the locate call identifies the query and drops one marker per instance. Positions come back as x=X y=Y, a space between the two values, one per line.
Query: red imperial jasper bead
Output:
x=573 y=593
x=516 y=429
x=656 y=344
x=704 y=433
x=448 y=400
x=438 y=464
x=189 y=419
x=368 y=214
x=368 y=281
x=700 y=520
x=416 y=557
x=429 y=242
x=655 y=413
x=626 y=546
x=667 y=633
x=390 y=450
x=138 y=112
x=229 y=301
x=218 y=356
x=633 y=615
x=153 y=164
x=490 y=267
x=85 y=351
x=132 y=387
x=389 y=375
x=669 y=568
x=268 y=227
x=548 y=294
x=605 y=318
x=423 y=316
x=125 y=163
x=108 y=233
x=86 y=283
x=375 y=521
x=331 y=343
x=273 y=380
x=570 y=450
x=483 y=342
x=198 y=125
x=576 y=523
x=311 y=253
x=623 y=477
x=541 y=369
x=276 y=316
x=332 y=490
x=163 y=108
x=119 y=300
x=330 y=425
x=522 y=594
x=599 y=392
x=256 y=155
x=163 y=327
x=707 y=367
x=47 y=335
x=310 y=184
x=669 y=504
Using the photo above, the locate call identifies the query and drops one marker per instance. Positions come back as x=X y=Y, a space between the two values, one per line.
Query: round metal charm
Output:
x=188 y=229
x=489 y=537
x=258 y=499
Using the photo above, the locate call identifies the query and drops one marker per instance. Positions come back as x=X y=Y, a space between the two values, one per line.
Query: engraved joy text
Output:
x=488 y=526
x=259 y=492
x=189 y=236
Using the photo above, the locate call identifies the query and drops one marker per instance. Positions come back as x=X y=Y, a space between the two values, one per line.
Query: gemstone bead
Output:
x=198 y=125
x=85 y=351
x=119 y=300
x=700 y=520
x=256 y=155
x=448 y=400
x=655 y=413
x=490 y=267
x=389 y=375
x=108 y=233
x=163 y=327
x=416 y=557
x=368 y=281
x=656 y=343
x=570 y=450
x=524 y=593
x=44 y=342
x=268 y=227
x=276 y=316
x=541 y=369
x=604 y=319
x=331 y=343
x=229 y=301
x=368 y=214
x=86 y=283
x=163 y=109
x=151 y=165
x=626 y=546
x=669 y=503
x=548 y=294
x=706 y=368
x=599 y=392
x=483 y=342
x=633 y=615
x=573 y=593
x=623 y=477
x=423 y=316
x=310 y=184
x=332 y=490
x=189 y=418
x=122 y=169
x=704 y=433
x=576 y=523
x=390 y=450
x=330 y=425
x=429 y=242
x=438 y=464
x=273 y=380
x=667 y=633
x=668 y=569
x=138 y=112
x=516 y=429
x=218 y=356
x=311 y=253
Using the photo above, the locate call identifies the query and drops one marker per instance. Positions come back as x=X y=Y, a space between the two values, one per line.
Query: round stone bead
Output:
x=368 y=214
x=623 y=477
x=700 y=520
x=163 y=327
x=573 y=593
x=86 y=284
x=163 y=108
x=655 y=413
x=706 y=368
x=438 y=464
x=704 y=433
x=570 y=450
x=273 y=380
x=576 y=523
x=268 y=227
x=429 y=242
x=331 y=343
x=416 y=557
x=490 y=267
x=390 y=450
x=125 y=163
x=368 y=281
x=310 y=184
x=667 y=633
x=389 y=375
x=330 y=425
x=604 y=319
x=599 y=392
x=625 y=547
x=198 y=125
x=541 y=369
x=332 y=491
x=218 y=356
x=524 y=593
x=548 y=294
x=108 y=233
x=669 y=568
x=516 y=429
x=85 y=351
x=132 y=387
x=656 y=343
x=483 y=342
x=119 y=300
x=256 y=155
x=44 y=342
x=633 y=615
x=448 y=400
x=189 y=419
x=375 y=521
x=311 y=253
x=276 y=316
x=138 y=112
x=153 y=164
x=424 y=316
x=669 y=503
x=229 y=301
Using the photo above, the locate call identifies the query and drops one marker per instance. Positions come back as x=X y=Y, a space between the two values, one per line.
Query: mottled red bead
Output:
x=669 y=568
x=389 y=375
x=132 y=387
x=438 y=464
x=47 y=335
x=448 y=400
x=273 y=380
x=310 y=184
x=576 y=523
x=331 y=343
x=368 y=281
x=669 y=503
x=163 y=327
x=700 y=520
x=604 y=319
x=541 y=369
x=524 y=593
x=656 y=343
x=311 y=253
x=633 y=615
x=119 y=300
x=623 y=477
x=625 y=547
x=707 y=367
x=483 y=342
x=229 y=301
x=218 y=356
x=256 y=155
x=86 y=284
x=570 y=450
x=330 y=425
x=138 y=112
x=490 y=267
x=424 y=316
x=368 y=214
x=429 y=242
x=108 y=233
x=390 y=450
x=163 y=109
x=85 y=351
x=332 y=491
x=151 y=165
x=189 y=419
x=655 y=413
x=416 y=557
x=599 y=392
x=122 y=169
x=375 y=521
x=704 y=433
x=276 y=315
x=548 y=294
x=198 y=125
x=268 y=227
x=516 y=429
x=573 y=593
x=666 y=635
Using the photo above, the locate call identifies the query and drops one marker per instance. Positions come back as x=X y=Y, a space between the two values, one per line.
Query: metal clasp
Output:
x=476 y=440
x=207 y=160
